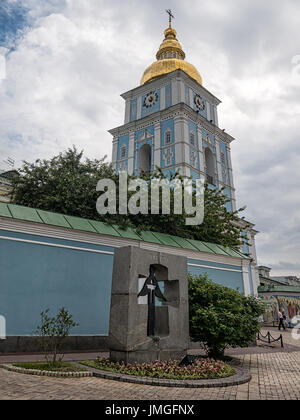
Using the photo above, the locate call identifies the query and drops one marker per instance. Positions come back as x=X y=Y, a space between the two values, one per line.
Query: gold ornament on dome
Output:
x=170 y=57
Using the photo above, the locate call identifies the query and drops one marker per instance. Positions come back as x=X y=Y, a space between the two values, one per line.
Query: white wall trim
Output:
x=246 y=280
x=8 y=238
x=215 y=268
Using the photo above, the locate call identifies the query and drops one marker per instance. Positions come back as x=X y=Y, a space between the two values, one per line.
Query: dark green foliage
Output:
x=67 y=184
x=63 y=184
x=221 y=317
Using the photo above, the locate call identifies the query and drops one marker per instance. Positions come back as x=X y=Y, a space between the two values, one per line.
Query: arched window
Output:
x=210 y=166
x=144 y=159
x=168 y=137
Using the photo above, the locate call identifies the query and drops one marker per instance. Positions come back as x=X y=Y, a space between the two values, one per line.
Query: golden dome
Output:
x=170 y=57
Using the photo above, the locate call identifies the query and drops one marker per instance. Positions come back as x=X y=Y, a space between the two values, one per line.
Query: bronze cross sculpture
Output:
x=152 y=289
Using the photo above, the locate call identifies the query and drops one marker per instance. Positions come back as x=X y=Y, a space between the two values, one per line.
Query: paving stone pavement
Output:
x=275 y=376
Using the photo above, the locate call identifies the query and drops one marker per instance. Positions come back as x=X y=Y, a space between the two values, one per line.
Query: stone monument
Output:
x=149 y=316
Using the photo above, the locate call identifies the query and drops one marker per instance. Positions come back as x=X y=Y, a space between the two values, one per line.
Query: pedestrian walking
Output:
x=281 y=320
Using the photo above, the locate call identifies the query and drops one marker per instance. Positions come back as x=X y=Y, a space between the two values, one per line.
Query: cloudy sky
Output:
x=68 y=61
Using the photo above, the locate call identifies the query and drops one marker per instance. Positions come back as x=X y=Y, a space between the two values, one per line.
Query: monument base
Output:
x=156 y=328
x=146 y=356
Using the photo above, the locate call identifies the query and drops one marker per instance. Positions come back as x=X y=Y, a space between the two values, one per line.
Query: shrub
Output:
x=53 y=330
x=221 y=317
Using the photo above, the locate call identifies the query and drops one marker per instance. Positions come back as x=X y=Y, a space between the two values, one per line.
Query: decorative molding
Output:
x=180 y=109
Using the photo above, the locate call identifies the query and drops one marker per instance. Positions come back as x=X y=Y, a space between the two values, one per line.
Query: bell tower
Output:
x=171 y=122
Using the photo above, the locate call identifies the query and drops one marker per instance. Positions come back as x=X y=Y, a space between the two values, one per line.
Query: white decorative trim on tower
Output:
x=139 y=107
x=157 y=144
x=131 y=152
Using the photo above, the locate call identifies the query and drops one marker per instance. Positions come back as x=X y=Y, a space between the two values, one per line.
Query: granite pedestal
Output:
x=128 y=340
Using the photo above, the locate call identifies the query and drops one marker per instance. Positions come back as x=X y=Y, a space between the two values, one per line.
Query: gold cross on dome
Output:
x=171 y=16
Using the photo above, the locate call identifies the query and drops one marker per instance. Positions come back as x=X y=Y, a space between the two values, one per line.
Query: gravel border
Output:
x=241 y=377
x=46 y=372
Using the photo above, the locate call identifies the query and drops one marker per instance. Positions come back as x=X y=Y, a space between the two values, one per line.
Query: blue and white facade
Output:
x=172 y=123
x=177 y=119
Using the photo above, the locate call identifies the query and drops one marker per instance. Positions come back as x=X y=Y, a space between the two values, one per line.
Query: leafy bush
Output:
x=221 y=317
x=53 y=330
x=200 y=369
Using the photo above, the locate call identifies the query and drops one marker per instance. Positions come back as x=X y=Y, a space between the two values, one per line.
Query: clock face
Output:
x=150 y=99
x=199 y=102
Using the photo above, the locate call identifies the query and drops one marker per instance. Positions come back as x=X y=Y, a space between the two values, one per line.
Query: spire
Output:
x=170 y=17
x=170 y=57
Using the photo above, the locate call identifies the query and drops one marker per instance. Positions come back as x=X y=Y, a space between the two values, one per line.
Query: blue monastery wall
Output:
x=39 y=272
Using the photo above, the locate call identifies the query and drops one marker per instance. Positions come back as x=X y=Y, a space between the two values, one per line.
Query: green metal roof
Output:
x=166 y=239
x=200 y=246
x=80 y=224
x=103 y=228
x=14 y=211
x=128 y=233
x=264 y=289
x=24 y=213
x=148 y=236
x=54 y=219
x=4 y=212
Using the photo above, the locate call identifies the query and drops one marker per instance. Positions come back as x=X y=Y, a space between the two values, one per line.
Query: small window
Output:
x=168 y=137
x=192 y=139
x=123 y=152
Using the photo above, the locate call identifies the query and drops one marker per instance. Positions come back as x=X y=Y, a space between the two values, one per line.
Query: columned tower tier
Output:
x=172 y=123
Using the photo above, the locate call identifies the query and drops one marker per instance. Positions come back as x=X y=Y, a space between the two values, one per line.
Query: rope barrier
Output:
x=270 y=338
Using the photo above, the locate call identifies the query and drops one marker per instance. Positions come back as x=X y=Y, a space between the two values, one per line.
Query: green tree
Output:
x=52 y=332
x=221 y=317
x=64 y=184
x=67 y=184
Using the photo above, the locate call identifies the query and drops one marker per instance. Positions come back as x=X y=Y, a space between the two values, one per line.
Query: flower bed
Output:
x=200 y=369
